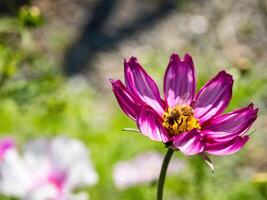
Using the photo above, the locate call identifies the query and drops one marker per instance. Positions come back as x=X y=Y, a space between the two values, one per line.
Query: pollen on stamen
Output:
x=180 y=119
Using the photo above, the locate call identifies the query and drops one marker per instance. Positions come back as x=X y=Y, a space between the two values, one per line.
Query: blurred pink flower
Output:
x=192 y=123
x=47 y=170
x=144 y=168
x=5 y=144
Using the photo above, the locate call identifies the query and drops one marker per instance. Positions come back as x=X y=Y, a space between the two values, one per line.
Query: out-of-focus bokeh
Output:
x=56 y=58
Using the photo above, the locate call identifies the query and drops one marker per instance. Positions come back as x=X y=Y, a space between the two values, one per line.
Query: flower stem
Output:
x=163 y=171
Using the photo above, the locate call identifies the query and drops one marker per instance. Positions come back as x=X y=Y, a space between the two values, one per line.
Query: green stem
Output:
x=163 y=171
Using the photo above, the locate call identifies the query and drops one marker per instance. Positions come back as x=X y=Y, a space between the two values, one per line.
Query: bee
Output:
x=178 y=120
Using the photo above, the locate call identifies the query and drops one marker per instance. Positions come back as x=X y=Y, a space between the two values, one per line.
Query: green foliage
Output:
x=30 y=16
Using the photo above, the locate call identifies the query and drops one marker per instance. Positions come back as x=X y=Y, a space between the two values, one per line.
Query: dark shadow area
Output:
x=94 y=39
x=11 y=7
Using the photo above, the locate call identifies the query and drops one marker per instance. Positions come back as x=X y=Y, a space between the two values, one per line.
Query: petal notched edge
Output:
x=214 y=96
x=179 y=81
x=227 y=126
x=142 y=85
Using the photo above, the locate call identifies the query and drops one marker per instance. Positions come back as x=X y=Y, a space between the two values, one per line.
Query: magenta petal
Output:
x=179 y=81
x=128 y=102
x=142 y=85
x=5 y=145
x=190 y=143
x=150 y=125
x=227 y=126
x=214 y=96
x=227 y=148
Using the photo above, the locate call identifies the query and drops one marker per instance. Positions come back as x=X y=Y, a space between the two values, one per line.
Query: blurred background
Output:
x=56 y=57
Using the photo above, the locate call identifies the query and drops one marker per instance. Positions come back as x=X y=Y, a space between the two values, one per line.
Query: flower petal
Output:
x=190 y=143
x=63 y=167
x=227 y=126
x=15 y=174
x=214 y=96
x=150 y=125
x=227 y=148
x=142 y=85
x=179 y=81
x=5 y=145
x=127 y=101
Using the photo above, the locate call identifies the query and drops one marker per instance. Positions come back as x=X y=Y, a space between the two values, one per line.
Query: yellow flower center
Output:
x=180 y=119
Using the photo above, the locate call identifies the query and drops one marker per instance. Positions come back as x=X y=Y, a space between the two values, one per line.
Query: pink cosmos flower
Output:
x=188 y=121
x=47 y=170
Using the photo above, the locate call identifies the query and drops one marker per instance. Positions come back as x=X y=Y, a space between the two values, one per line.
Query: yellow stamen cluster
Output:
x=180 y=119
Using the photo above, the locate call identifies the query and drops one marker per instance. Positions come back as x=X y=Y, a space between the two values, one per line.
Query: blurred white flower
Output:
x=199 y=24
x=49 y=169
x=144 y=168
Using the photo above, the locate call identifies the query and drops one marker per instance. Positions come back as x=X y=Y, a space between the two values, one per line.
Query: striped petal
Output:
x=214 y=96
x=190 y=143
x=150 y=125
x=227 y=126
x=228 y=147
x=127 y=101
x=142 y=85
x=179 y=81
